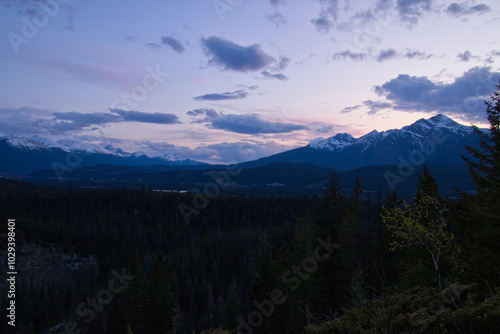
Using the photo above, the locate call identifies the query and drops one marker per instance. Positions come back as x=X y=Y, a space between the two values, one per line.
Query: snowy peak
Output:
x=340 y=140
x=39 y=143
x=438 y=122
x=23 y=143
x=417 y=130
x=83 y=147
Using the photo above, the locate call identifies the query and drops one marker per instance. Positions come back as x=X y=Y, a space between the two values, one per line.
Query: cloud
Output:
x=76 y=120
x=277 y=18
x=329 y=14
x=253 y=87
x=463 y=9
x=384 y=55
x=349 y=109
x=25 y=120
x=154 y=46
x=231 y=56
x=129 y=38
x=348 y=54
x=143 y=117
x=465 y=56
x=200 y=112
x=411 y=10
x=167 y=41
x=239 y=94
x=32 y=8
x=421 y=55
x=278 y=2
x=224 y=152
x=464 y=96
x=244 y=124
x=282 y=64
x=322 y=24
x=492 y=55
x=28 y=120
x=375 y=106
x=278 y=76
x=325 y=128
x=173 y=43
x=103 y=76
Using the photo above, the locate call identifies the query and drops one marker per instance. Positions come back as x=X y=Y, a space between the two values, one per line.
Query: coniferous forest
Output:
x=344 y=262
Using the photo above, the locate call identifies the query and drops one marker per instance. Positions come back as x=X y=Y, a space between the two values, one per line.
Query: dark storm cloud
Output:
x=231 y=56
x=245 y=124
x=239 y=94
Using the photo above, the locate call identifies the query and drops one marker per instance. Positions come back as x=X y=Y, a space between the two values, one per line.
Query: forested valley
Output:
x=345 y=262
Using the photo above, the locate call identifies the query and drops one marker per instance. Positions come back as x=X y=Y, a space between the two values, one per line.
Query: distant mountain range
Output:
x=22 y=155
x=381 y=159
x=437 y=140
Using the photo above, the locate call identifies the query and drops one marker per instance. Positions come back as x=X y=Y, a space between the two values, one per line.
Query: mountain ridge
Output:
x=438 y=140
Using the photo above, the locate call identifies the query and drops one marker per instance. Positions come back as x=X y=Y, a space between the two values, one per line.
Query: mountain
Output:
x=437 y=140
x=23 y=155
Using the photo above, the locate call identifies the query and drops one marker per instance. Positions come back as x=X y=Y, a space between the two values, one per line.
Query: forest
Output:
x=342 y=262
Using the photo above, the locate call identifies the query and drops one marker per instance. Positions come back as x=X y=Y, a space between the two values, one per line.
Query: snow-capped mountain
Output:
x=437 y=140
x=417 y=131
x=22 y=155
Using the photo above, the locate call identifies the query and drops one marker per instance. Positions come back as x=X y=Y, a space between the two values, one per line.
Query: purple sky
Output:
x=234 y=80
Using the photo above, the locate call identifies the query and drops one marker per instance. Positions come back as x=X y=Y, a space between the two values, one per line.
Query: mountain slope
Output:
x=438 y=140
x=22 y=155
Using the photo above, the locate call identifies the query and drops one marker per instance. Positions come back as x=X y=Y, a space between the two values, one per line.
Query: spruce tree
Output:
x=159 y=308
x=479 y=218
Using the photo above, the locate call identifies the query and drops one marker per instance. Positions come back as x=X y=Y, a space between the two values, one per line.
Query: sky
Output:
x=225 y=81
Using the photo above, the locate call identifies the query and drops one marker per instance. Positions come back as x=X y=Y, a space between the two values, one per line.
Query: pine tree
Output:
x=427 y=186
x=158 y=304
x=478 y=215
x=332 y=206
x=330 y=219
